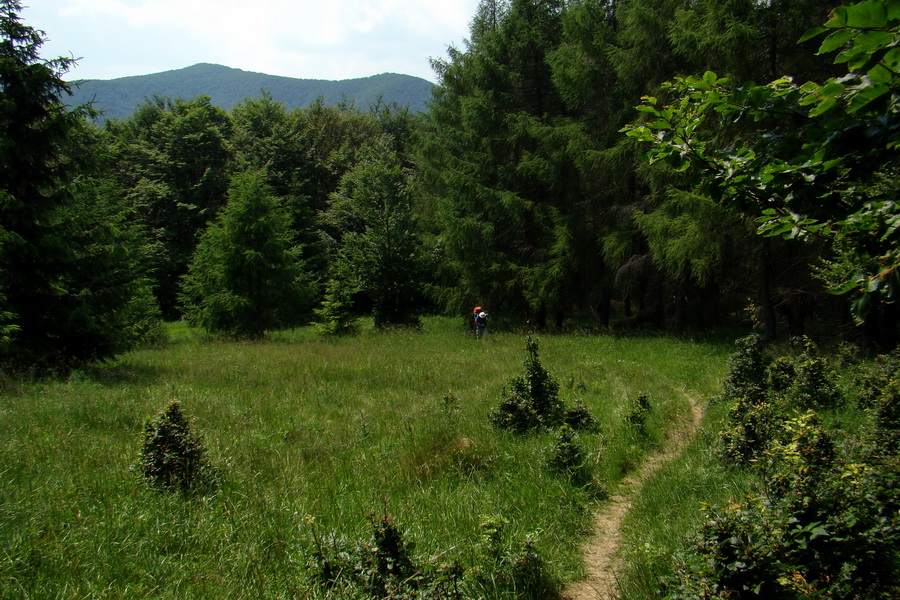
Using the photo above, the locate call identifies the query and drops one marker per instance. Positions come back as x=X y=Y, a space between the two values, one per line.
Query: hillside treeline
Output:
x=517 y=190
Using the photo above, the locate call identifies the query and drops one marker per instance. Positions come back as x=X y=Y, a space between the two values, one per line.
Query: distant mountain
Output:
x=225 y=86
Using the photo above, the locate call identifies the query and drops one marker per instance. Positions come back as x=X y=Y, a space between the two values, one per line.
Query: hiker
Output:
x=480 y=319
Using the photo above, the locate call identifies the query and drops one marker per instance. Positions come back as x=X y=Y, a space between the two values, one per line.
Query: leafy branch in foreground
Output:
x=821 y=159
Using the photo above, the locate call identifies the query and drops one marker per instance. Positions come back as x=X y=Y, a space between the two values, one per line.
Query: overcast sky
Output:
x=307 y=39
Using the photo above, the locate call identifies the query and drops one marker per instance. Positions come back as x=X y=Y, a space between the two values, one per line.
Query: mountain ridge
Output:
x=227 y=86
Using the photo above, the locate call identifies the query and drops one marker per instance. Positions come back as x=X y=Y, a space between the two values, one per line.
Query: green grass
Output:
x=313 y=435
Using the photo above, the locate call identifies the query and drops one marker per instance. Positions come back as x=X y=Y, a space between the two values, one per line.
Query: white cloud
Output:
x=324 y=39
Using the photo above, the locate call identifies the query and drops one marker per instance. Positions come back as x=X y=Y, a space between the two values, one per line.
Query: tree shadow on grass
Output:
x=114 y=374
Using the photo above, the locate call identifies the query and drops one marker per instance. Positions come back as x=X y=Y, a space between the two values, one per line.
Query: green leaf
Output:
x=867 y=95
x=893 y=8
x=823 y=106
x=838 y=18
x=811 y=34
x=864 y=15
x=836 y=40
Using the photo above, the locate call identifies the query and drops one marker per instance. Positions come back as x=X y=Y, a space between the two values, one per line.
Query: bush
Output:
x=804 y=381
x=380 y=568
x=580 y=418
x=827 y=527
x=747 y=377
x=384 y=567
x=813 y=383
x=870 y=379
x=747 y=432
x=509 y=570
x=531 y=400
x=566 y=456
x=640 y=410
x=173 y=456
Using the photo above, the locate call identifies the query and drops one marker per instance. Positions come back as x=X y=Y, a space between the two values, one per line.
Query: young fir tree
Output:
x=246 y=277
x=336 y=313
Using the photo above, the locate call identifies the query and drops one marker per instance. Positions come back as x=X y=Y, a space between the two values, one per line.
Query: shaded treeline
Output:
x=516 y=191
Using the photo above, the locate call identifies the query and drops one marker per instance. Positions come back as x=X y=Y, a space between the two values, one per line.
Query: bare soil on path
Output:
x=601 y=550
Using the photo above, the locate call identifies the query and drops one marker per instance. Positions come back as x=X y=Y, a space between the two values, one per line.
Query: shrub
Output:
x=384 y=568
x=530 y=400
x=827 y=527
x=580 y=418
x=746 y=371
x=747 y=431
x=505 y=569
x=173 y=456
x=887 y=420
x=640 y=410
x=565 y=454
x=814 y=383
x=380 y=568
x=870 y=380
x=781 y=373
x=387 y=562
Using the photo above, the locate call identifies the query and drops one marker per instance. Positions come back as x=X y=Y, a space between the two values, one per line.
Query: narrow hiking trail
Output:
x=601 y=550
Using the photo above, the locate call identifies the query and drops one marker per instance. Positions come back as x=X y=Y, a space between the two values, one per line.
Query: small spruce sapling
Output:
x=531 y=400
x=566 y=456
x=174 y=457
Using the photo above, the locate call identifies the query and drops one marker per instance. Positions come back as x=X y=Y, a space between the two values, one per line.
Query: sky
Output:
x=306 y=39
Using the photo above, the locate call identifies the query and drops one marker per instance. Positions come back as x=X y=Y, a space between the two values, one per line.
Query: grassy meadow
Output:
x=313 y=435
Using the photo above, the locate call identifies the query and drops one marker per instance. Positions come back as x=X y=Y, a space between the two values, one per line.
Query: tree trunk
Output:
x=765 y=292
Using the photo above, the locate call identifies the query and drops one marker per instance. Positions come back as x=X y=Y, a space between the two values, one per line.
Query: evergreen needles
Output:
x=174 y=457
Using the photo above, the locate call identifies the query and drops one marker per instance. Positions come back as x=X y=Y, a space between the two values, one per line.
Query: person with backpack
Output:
x=480 y=320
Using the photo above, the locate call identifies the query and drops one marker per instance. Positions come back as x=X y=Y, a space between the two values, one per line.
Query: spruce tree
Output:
x=502 y=155
x=246 y=276
x=72 y=282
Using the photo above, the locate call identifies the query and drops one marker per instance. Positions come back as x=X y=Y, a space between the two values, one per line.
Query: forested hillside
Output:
x=225 y=86
x=525 y=187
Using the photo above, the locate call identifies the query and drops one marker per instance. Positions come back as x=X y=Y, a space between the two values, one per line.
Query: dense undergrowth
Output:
x=340 y=468
x=798 y=481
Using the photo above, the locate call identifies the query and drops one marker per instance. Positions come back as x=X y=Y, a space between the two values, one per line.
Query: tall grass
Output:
x=313 y=435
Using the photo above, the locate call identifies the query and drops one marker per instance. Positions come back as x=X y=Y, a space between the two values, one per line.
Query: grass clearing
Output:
x=313 y=435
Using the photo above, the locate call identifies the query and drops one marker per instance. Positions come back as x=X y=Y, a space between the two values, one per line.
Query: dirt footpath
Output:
x=601 y=550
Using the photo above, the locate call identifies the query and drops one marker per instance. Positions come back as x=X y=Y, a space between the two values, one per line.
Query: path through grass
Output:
x=313 y=436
